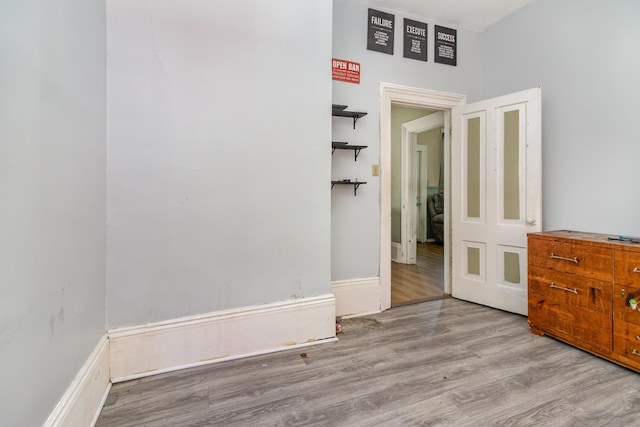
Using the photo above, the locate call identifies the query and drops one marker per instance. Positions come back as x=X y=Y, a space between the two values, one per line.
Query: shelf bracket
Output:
x=355 y=154
x=355 y=188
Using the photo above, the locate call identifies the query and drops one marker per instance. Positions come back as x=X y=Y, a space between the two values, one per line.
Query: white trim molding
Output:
x=356 y=297
x=225 y=335
x=82 y=402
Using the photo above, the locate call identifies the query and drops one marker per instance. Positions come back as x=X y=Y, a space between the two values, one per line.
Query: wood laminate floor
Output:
x=444 y=362
x=423 y=281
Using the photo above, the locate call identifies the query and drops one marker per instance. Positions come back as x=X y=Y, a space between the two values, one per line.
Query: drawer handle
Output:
x=636 y=352
x=554 y=286
x=636 y=270
x=554 y=256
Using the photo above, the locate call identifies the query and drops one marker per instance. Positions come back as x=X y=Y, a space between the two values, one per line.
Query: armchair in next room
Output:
x=435 y=206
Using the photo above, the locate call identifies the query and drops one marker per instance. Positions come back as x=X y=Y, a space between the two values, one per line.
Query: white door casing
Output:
x=496 y=197
x=412 y=97
x=420 y=178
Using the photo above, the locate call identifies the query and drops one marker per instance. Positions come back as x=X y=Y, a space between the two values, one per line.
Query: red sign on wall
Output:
x=345 y=71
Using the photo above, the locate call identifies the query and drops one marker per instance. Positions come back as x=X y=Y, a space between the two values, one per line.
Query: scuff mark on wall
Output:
x=52 y=325
x=153 y=40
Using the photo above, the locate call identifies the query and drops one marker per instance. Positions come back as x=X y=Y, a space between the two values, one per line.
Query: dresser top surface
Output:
x=582 y=237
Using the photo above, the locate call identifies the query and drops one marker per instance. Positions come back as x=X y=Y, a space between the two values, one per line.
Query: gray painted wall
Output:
x=219 y=155
x=355 y=226
x=52 y=191
x=585 y=55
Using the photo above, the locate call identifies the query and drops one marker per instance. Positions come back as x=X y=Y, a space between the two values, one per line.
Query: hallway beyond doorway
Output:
x=423 y=281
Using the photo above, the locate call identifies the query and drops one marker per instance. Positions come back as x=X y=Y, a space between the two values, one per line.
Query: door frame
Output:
x=411 y=97
x=422 y=159
x=408 y=212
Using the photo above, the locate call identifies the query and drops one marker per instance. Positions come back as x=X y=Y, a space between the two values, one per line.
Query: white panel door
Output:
x=496 y=197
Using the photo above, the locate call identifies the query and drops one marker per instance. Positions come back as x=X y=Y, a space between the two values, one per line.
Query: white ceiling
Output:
x=476 y=15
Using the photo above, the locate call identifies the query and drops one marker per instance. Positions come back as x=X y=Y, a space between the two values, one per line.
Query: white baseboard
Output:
x=357 y=297
x=82 y=402
x=396 y=251
x=141 y=351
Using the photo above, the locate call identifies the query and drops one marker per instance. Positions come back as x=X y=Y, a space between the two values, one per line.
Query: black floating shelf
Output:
x=355 y=184
x=340 y=111
x=344 y=146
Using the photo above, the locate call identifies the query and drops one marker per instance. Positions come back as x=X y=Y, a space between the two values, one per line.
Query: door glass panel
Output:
x=512 y=164
x=512 y=267
x=473 y=167
x=473 y=261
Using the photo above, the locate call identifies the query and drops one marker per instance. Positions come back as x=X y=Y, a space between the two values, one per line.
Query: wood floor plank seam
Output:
x=445 y=362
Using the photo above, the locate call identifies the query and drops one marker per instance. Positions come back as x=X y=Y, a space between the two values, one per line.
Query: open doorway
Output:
x=391 y=94
x=417 y=202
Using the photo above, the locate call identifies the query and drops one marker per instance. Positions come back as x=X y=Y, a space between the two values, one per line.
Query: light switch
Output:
x=375 y=170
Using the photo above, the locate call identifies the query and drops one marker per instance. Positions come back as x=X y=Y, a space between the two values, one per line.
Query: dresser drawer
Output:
x=583 y=260
x=621 y=308
x=576 y=325
x=627 y=343
x=627 y=267
x=562 y=288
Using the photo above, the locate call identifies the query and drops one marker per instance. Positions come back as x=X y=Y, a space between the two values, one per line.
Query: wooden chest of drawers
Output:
x=580 y=285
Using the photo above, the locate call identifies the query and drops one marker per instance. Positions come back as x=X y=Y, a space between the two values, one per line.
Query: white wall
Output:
x=52 y=192
x=433 y=140
x=219 y=155
x=585 y=55
x=355 y=230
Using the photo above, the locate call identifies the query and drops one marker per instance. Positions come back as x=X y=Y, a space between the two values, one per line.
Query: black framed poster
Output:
x=380 y=33
x=415 y=39
x=445 y=45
